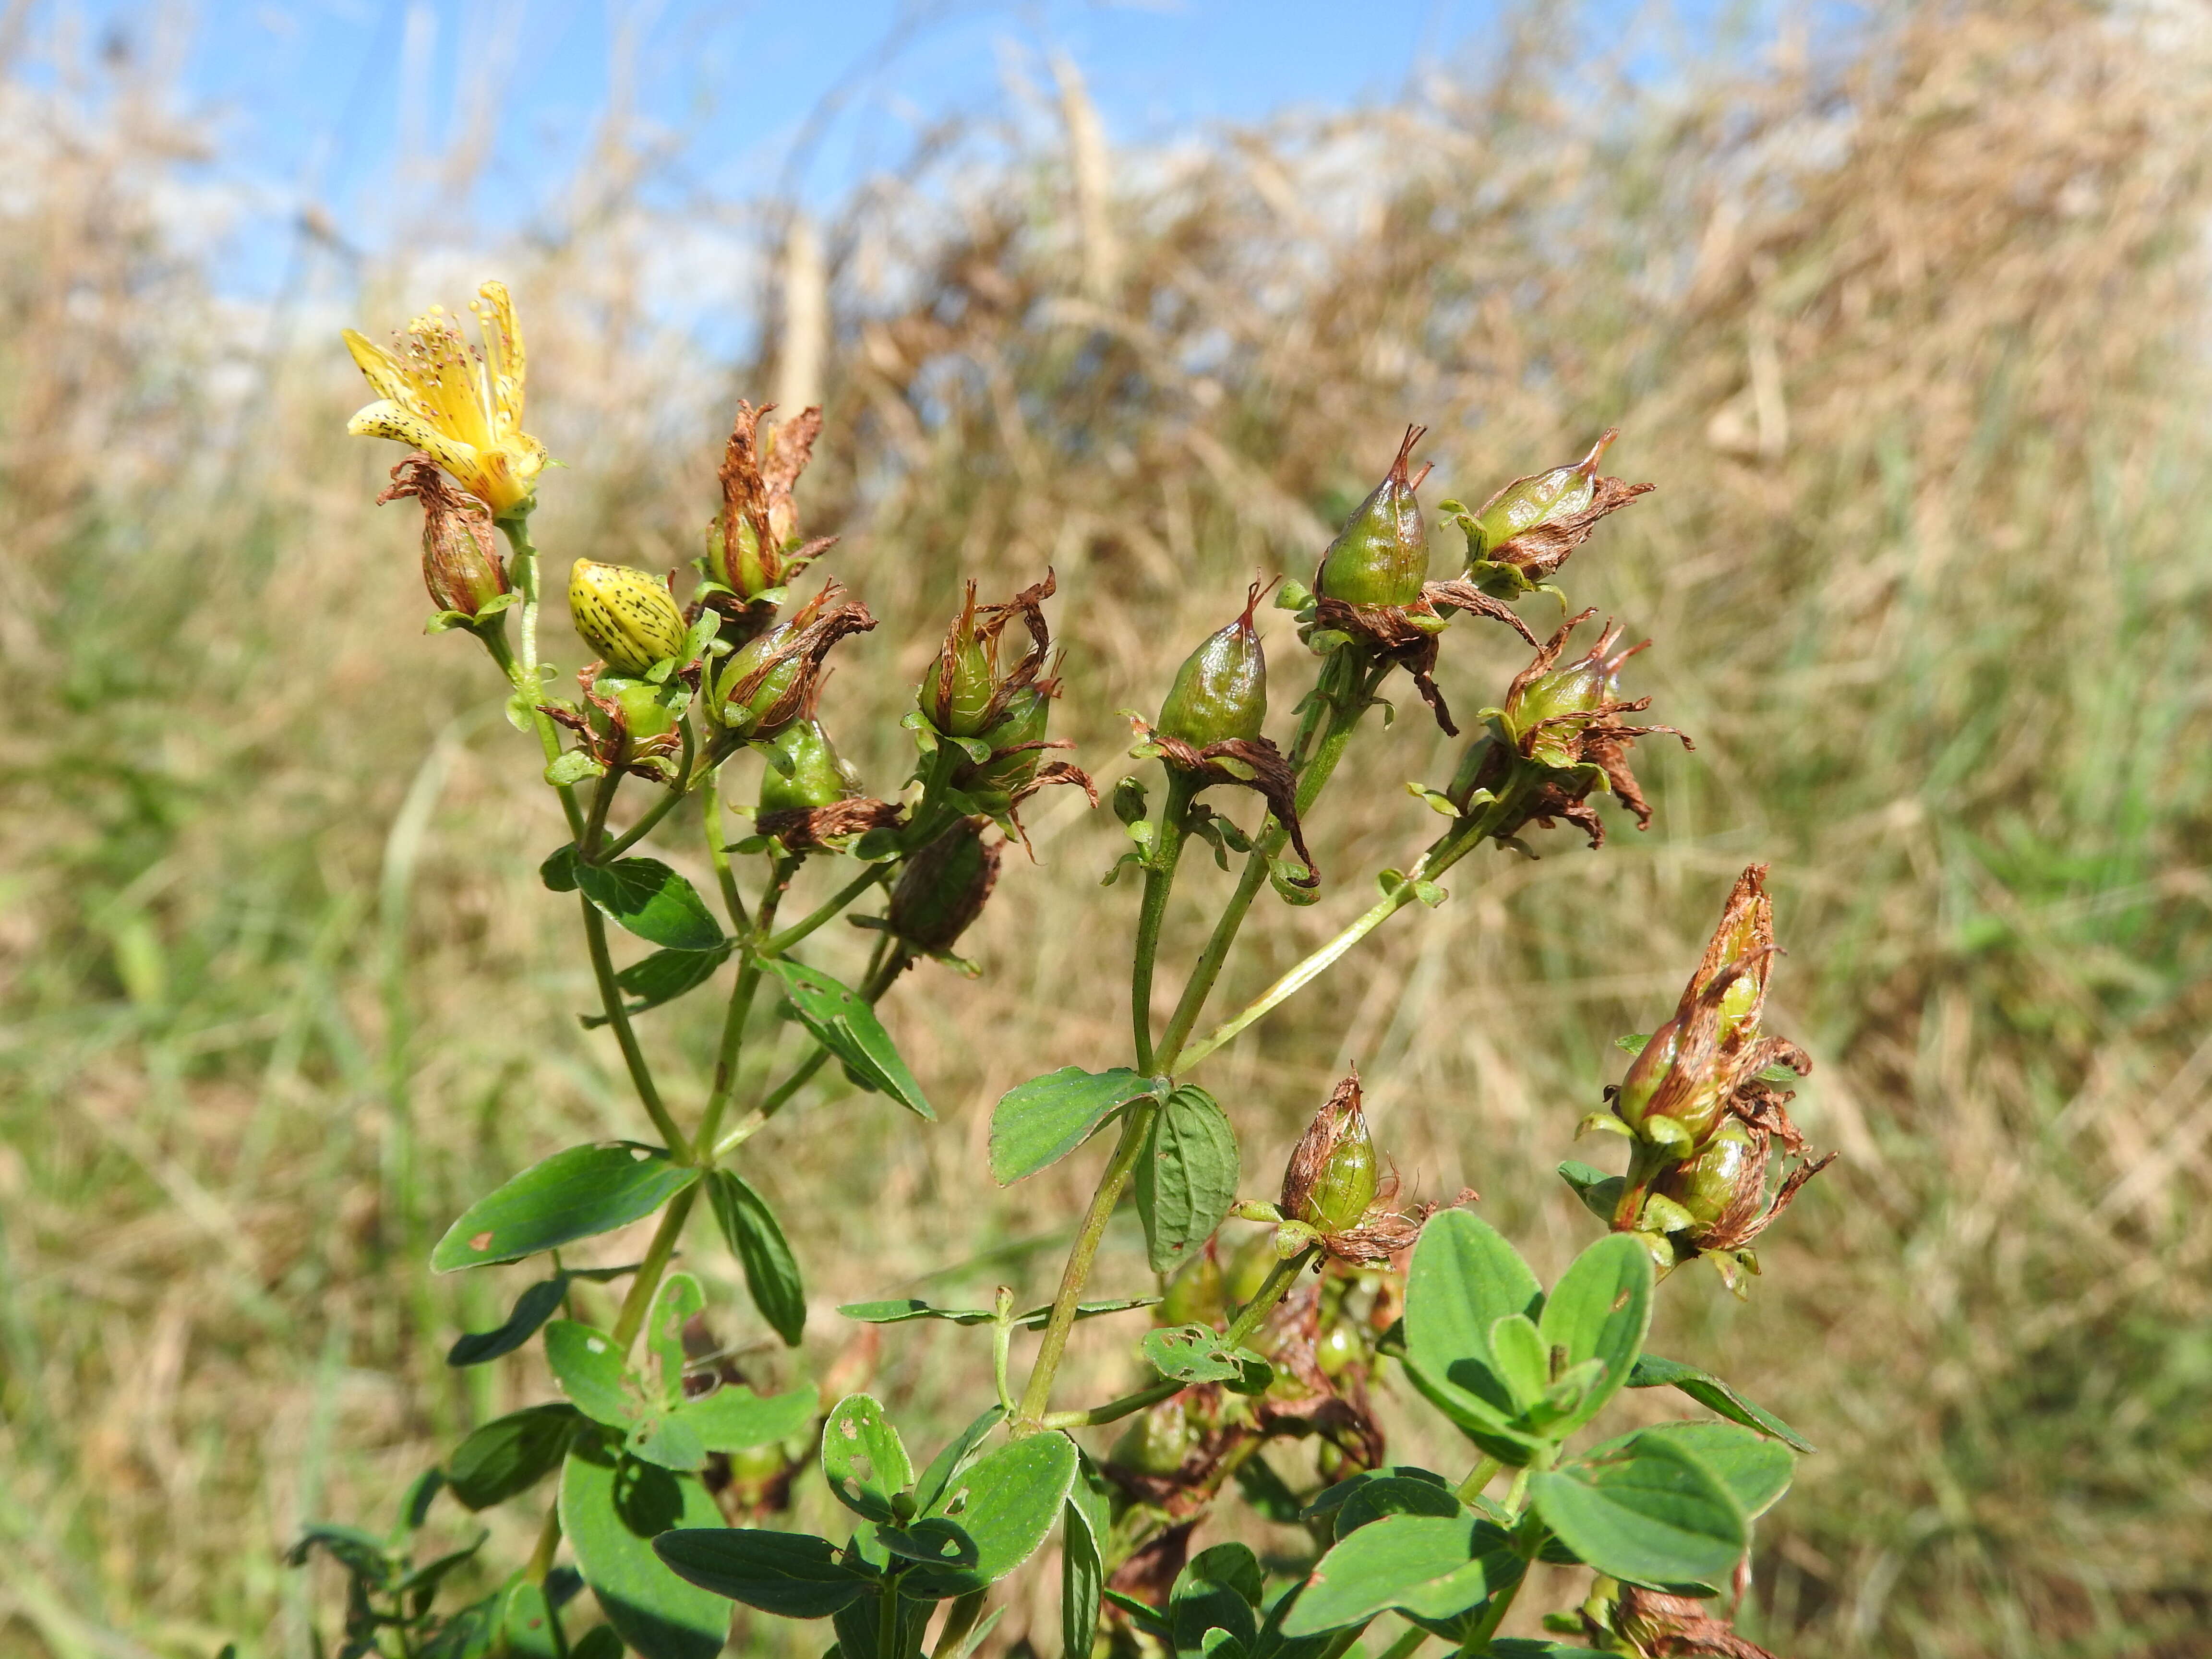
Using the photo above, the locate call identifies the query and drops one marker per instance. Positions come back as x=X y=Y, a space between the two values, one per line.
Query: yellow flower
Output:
x=460 y=407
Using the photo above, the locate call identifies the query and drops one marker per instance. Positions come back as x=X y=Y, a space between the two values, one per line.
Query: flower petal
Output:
x=387 y=419
x=385 y=372
x=504 y=355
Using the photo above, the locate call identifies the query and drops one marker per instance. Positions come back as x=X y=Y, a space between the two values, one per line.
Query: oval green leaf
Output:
x=1431 y=1566
x=612 y=1509
x=663 y=976
x=735 y=1419
x=1186 y=1177
x=750 y=1228
x=588 y=1365
x=847 y=1027
x=652 y=901
x=793 y=1574
x=1084 y=1525
x=576 y=1194
x=864 y=1458
x=531 y=1309
x=1039 y=1122
x=1714 y=1396
x=1650 y=1512
x=1006 y=1503
x=1756 y=1471
x=511 y=1455
x=1464 y=1279
x=1599 y=1309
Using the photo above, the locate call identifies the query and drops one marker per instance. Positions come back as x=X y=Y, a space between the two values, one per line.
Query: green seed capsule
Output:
x=1157 y=1441
x=773 y=689
x=629 y=618
x=1707 y=1186
x=644 y=715
x=1381 y=555
x=1580 y=688
x=944 y=888
x=1249 y=1268
x=1339 y=1350
x=1029 y=713
x=1194 y=1295
x=1221 y=692
x=955 y=692
x=1339 y=1200
x=1696 y=1109
x=1540 y=498
x=817 y=777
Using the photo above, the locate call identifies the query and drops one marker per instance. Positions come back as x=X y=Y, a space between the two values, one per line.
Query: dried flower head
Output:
x=754 y=547
x=460 y=560
x=1335 y=1185
x=460 y=406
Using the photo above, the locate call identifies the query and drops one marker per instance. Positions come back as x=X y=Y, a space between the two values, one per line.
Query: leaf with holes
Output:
x=578 y=1193
x=847 y=1027
x=1194 y=1353
x=864 y=1457
x=735 y=1419
x=588 y=1366
x=1006 y=1503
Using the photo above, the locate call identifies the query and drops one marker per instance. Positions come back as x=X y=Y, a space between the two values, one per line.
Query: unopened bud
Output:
x=1727 y=1175
x=629 y=618
x=1695 y=1102
x=945 y=887
x=1745 y=936
x=1028 y=716
x=816 y=778
x=1381 y=557
x=761 y=700
x=1221 y=692
x=1332 y=1179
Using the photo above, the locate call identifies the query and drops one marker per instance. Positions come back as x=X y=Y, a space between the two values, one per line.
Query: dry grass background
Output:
x=1912 y=341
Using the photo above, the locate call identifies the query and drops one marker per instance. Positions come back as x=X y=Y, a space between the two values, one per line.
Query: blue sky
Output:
x=346 y=105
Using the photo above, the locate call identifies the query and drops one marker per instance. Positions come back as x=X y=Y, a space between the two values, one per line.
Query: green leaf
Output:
x=1194 y=1353
x=1464 y=1279
x=663 y=976
x=735 y=1419
x=528 y=1622
x=588 y=1365
x=958 y=1453
x=675 y=1304
x=531 y=1309
x=1599 y=1192
x=792 y=1574
x=1650 y=1512
x=1041 y=1121
x=612 y=1509
x=511 y=1455
x=574 y=766
x=1186 y=1177
x=1219 y=1589
x=1335 y=1498
x=750 y=1228
x=1265 y=1492
x=1714 y=1396
x=847 y=1027
x=659 y=1436
x=1755 y=1470
x=864 y=1458
x=652 y=901
x=584 y=1191
x=1599 y=1309
x=1430 y=1566
x=1395 y=1495
x=1006 y=1503
x=1084 y=1526
x=901 y=1310
x=558 y=871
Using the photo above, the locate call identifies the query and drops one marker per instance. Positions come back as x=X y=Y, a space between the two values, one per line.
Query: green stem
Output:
x=611 y=999
x=1135 y=1126
x=1159 y=881
x=718 y=854
x=1272 y=1291
x=830 y=910
x=1455 y=844
x=1335 y=719
x=1002 y=1339
x=726 y=1054
x=1409 y=1642
x=1479 y=1476
x=658 y=1255
x=887 y=1630
x=660 y=809
x=522 y=569
x=548 y=1546
x=595 y=823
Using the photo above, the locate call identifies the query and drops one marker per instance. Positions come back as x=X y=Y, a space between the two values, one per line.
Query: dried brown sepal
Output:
x=1248 y=762
x=461 y=565
x=757 y=483
x=811 y=829
x=824 y=620
x=1395 y=632
x=653 y=758
x=1335 y=1157
x=1053 y=773
x=1663 y=1626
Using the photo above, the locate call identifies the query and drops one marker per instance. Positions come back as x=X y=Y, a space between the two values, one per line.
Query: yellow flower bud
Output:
x=629 y=618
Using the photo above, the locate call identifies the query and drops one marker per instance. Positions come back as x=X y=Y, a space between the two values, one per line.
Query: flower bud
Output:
x=1744 y=936
x=629 y=618
x=1221 y=692
x=1381 y=557
x=1730 y=1173
x=816 y=778
x=944 y=888
x=1029 y=713
x=771 y=688
x=955 y=692
x=1332 y=1179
